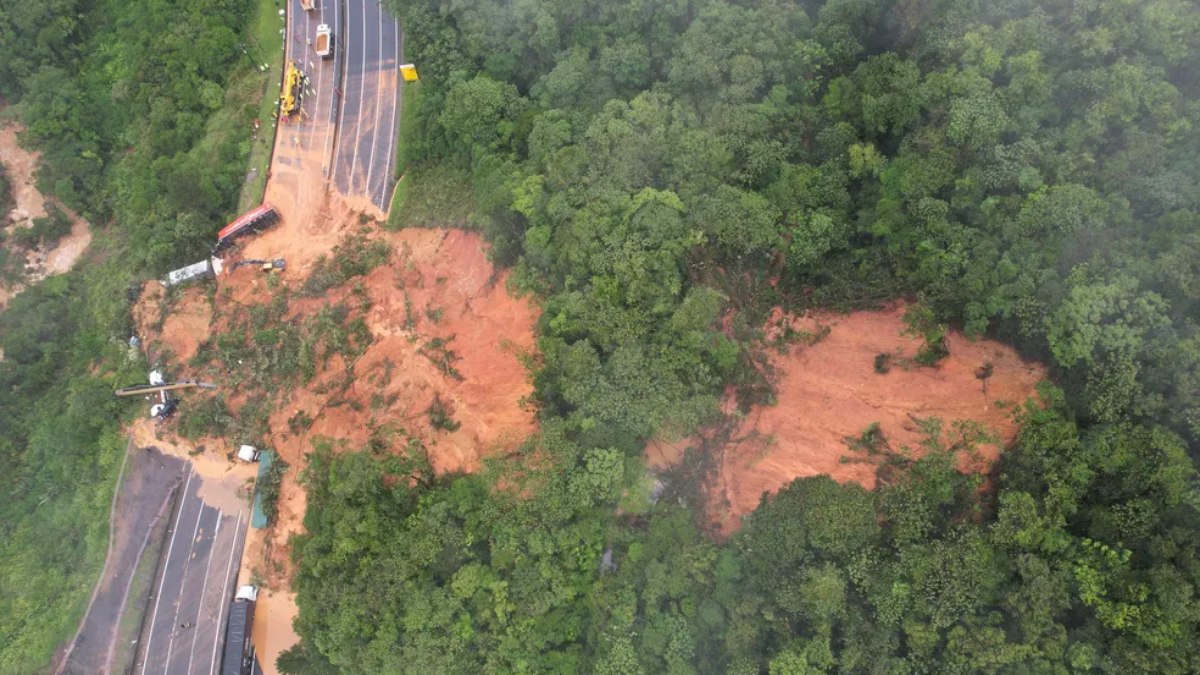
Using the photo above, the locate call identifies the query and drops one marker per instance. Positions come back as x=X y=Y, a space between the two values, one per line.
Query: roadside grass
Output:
x=265 y=48
x=410 y=100
x=435 y=196
x=401 y=214
x=230 y=144
x=410 y=106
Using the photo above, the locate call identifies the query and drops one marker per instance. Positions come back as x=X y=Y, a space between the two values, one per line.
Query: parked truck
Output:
x=238 y=657
x=324 y=44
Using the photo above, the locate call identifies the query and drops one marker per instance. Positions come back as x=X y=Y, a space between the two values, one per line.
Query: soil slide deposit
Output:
x=828 y=392
x=438 y=288
x=179 y=328
x=29 y=203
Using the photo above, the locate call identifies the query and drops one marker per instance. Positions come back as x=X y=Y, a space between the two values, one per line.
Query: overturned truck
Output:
x=254 y=220
x=205 y=269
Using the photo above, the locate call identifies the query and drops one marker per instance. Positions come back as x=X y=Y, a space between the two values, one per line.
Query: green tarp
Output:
x=265 y=459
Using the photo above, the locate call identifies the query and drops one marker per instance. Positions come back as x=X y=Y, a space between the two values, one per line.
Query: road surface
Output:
x=314 y=128
x=185 y=625
x=143 y=500
x=365 y=159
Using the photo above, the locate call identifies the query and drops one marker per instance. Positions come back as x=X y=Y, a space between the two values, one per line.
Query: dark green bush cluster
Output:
x=268 y=487
x=354 y=256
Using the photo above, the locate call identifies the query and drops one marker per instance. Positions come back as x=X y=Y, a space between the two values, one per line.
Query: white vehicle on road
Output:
x=324 y=44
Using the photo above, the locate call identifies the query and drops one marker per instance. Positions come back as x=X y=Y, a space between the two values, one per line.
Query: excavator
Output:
x=165 y=386
x=276 y=265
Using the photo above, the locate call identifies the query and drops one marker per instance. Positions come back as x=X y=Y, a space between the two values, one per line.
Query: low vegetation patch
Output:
x=268 y=488
x=354 y=256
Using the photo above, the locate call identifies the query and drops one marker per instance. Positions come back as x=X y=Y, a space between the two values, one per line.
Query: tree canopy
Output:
x=1025 y=168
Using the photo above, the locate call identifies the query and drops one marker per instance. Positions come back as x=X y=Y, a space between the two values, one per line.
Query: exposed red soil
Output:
x=20 y=166
x=829 y=392
x=178 y=329
x=451 y=291
x=438 y=284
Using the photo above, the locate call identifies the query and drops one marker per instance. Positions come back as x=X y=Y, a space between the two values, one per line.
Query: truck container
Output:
x=205 y=269
x=255 y=220
x=324 y=43
x=238 y=657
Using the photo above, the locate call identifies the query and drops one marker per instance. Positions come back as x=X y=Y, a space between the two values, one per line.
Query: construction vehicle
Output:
x=162 y=387
x=293 y=91
x=275 y=265
x=166 y=405
x=238 y=657
x=256 y=219
x=324 y=43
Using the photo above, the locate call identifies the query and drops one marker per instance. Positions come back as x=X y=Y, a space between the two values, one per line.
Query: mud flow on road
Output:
x=350 y=111
x=183 y=629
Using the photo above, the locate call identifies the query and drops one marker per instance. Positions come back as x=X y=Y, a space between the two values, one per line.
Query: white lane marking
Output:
x=207 y=564
x=224 y=597
x=378 y=100
x=387 y=176
x=362 y=91
x=317 y=106
x=321 y=86
x=187 y=563
x=337 y=163
x=158 y=598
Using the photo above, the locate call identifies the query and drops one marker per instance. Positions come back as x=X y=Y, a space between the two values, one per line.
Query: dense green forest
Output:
x=118 y=96
x=1026 y=168
x=1029 y=169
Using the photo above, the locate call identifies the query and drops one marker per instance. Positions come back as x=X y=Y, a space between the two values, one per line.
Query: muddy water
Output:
x=273 y=631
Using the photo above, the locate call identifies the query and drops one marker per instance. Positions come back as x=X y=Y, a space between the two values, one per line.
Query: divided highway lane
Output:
x=318 y=117
x=185 y=625
x=365 y=157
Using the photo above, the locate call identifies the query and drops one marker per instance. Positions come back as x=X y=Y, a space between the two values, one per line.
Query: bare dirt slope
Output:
x=177 y=327
x=438 y=285
x=20 y=165
x=829 y=392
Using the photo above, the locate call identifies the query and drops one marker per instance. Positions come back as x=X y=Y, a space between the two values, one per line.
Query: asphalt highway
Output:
x=185 y=625
x=364 y=161
x=314 y=128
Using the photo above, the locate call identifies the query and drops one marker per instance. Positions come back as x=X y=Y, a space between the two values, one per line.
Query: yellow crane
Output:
x=293 y=90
